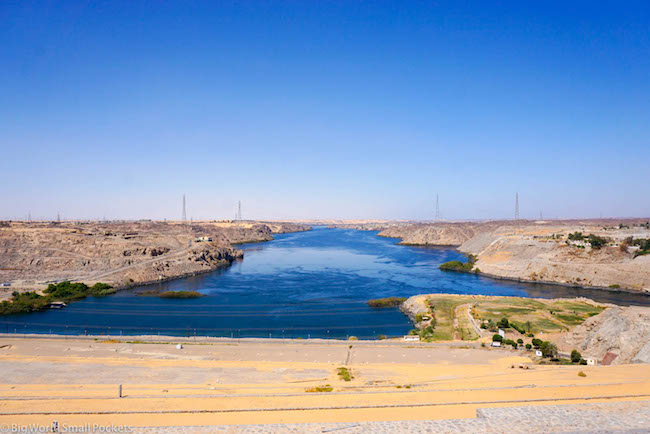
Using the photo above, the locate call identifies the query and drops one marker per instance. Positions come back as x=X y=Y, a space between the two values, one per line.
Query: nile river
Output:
x=306 y=284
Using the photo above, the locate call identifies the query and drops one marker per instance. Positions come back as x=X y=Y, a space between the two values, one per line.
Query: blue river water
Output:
x=306 y=284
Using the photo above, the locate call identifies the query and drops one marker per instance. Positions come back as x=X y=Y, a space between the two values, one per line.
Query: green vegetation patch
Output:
x=545 y=325
x=325 y=388
x=463 y=267
x=344 y=374
x=387 y=302
x=180 y=294
x=570 y=319
x=26 y=302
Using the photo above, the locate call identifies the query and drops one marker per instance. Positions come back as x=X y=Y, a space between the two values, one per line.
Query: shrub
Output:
x=497 y=338
x=504 y=323
x=427 y=332
x=465 y=267
x=575 y=356
x=353 y=338
x=537 y=342
x=344 y=374
x=529 y=346
x=520 y=341
x=528 y=326
x=386 y=302
x=548 y=349
x=517 y=327
x=581 y=374
x=596 y=241
x=325 y=388
x=576 y=236
x=382 y=337
x=64 y=291
x=101 y=289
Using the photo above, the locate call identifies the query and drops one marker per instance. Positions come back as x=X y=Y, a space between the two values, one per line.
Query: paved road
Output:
x=621 y=417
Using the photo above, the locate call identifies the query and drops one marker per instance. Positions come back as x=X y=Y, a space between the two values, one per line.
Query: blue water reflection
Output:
x=309 y=284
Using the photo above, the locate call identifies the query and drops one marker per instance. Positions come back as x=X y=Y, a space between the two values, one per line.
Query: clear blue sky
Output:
x=324 y=109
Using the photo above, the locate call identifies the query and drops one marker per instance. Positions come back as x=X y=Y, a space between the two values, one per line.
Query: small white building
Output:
x=412 y=338
x=203 y=240
x=538 y=353
x=496 y=344
x=591 y=362
x=502 y=333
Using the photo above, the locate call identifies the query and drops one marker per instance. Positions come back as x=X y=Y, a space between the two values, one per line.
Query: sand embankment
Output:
x=250 y=382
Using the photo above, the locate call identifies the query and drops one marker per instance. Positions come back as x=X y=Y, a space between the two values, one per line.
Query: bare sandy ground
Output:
x=76 y=381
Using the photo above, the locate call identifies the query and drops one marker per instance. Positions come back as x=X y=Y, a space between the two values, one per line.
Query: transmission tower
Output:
x=184 y=210
x=239 y=210
x=517 y=210
x=58 y=217
x=437 y=208
x=29 y=216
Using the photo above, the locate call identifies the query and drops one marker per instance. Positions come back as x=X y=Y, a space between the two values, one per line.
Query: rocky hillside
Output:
x=539 y=252
x=437 y=234
x=623 y=331
x=121 y=254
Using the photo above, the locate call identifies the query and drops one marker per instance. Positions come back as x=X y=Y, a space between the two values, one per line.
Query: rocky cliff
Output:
x=121 y=254
x=623 y=331
x=437 y=234
x=538 y=251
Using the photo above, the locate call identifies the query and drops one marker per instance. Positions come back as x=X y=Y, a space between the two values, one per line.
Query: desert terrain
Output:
x=540 y=251
x=121 y=254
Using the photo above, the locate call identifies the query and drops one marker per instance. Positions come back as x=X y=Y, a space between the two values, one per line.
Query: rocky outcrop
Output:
x=413 y=306
x=201 y=258
x=121 y=254
x=538 y=251
x=435 y=234
x=622 y=331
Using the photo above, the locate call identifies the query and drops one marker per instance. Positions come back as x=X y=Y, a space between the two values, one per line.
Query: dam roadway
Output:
x=234 y=382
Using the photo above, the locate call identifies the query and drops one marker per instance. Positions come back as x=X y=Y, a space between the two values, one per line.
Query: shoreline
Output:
x=563 y=284
x=518 y=279
x=180 y=276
